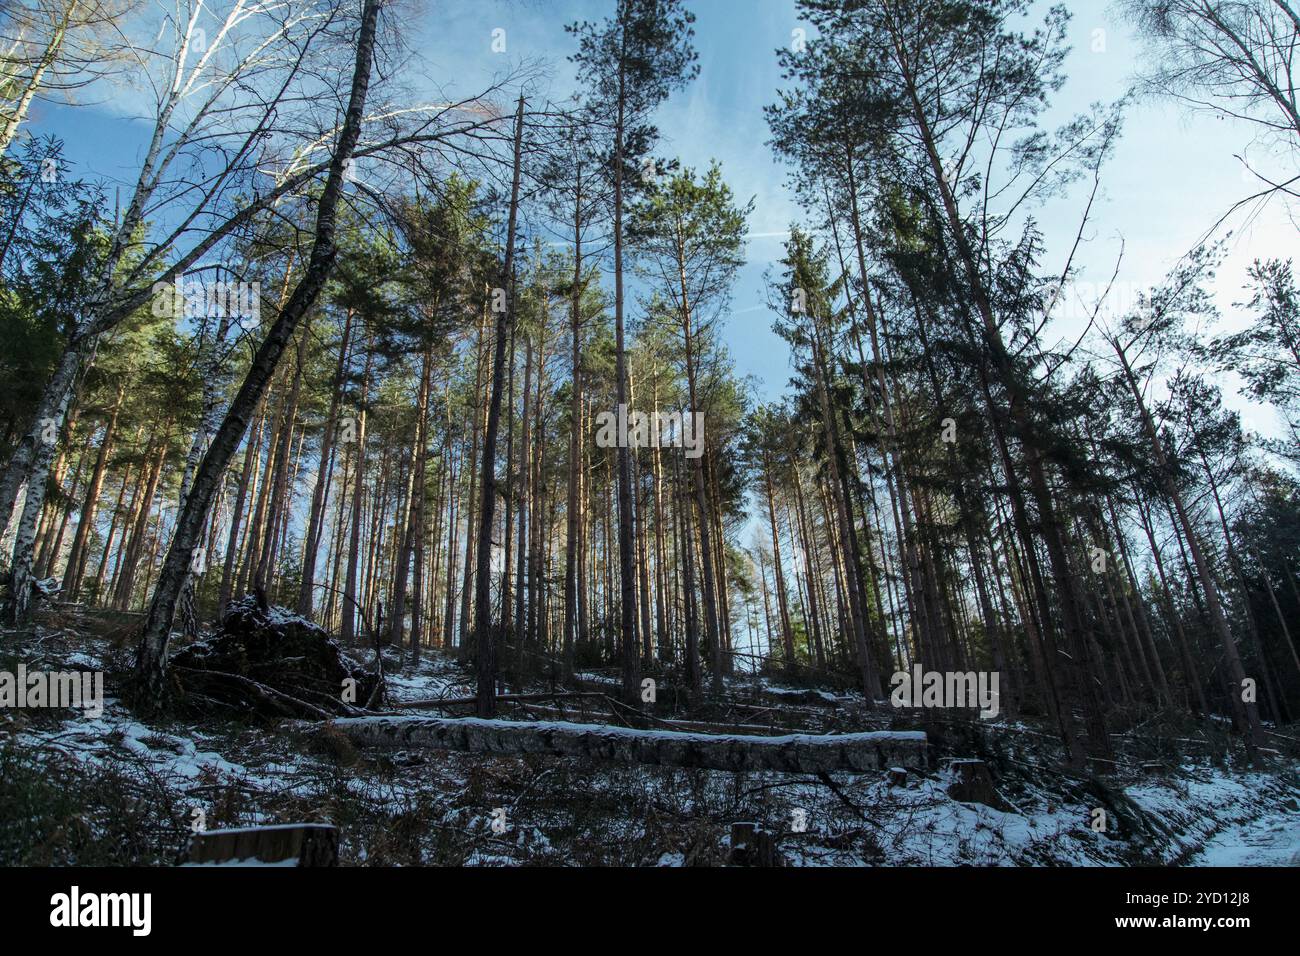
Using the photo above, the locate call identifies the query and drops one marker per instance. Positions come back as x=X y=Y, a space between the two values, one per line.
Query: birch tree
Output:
x=152 y=653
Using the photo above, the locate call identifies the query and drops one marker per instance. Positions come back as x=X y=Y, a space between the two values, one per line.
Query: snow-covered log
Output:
x=794 y=753
x=437 y=704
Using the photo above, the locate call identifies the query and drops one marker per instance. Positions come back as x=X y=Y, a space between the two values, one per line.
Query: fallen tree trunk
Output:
x=700 y=726
x=434 y=703
x=794 y=753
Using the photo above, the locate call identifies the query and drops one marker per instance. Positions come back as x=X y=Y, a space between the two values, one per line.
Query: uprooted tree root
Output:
x=268 y=662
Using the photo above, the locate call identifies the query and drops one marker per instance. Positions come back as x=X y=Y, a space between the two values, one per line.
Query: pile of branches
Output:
x=268 y=661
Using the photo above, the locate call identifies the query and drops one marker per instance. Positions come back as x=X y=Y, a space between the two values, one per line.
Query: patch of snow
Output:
x=1270 y=840
x=250 y=861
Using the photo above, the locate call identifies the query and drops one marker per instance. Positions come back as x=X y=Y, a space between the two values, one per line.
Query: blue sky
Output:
x=1172 y=177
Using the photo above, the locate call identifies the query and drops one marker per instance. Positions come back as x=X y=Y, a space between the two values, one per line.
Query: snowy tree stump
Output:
x=752 y=846
x=292 y=844
x=973 y=783
x=792 y=753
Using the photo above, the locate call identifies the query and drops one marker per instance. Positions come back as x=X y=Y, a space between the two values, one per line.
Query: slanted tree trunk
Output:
x=150 y=668
x=31 y=462
x=13 y=117
x=1245 y=713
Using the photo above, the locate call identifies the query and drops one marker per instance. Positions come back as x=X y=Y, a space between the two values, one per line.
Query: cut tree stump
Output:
x=973 y=783
x=290 y=844
x=752 y=846
x=793 y=753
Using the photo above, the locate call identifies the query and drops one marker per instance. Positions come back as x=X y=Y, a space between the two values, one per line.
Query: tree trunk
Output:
x=320 y=491
x=152 y=654
x=1245 y=713
x=485 y=639
x=13 y=118
x=573 y=522
x=76 y=567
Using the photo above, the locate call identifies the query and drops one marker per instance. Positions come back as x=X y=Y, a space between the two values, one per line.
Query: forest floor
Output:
x=115 y=790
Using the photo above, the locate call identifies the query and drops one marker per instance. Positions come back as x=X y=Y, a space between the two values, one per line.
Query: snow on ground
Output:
x=1270 y=840
x=592 y=677
x=1209 y=816
x=1249 y=817
x=1212 y=817
x=804 y=693
x=186 y=756
x=433 y=678
x=563 y=811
